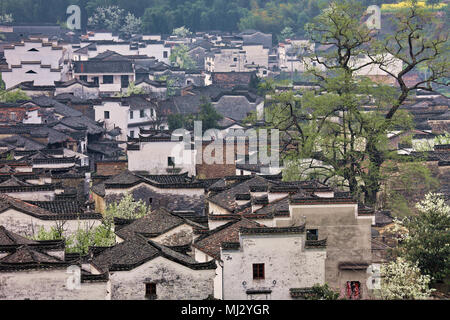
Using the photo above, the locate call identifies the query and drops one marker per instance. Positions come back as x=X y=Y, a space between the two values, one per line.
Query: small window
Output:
x=106 y=114
x=258 y=271
x=150 y=200
x=235 y=59
x=142 y=113
x=171 y=161
x=95 y=79
x=83 y=78
x=165 y=54
x=33 y=50
x=150 y=291
x=131 y=115
x=312 y=234
x=108 y=79
x=131 y=134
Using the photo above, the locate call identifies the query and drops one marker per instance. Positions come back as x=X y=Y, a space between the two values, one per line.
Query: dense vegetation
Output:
x=162 y=16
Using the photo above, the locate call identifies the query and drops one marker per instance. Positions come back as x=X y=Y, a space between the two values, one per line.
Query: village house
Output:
x=326 y=216
x=162 y=153
x=78 y=88
x=35 y=60
x=40 y=270
x=111 y=76
x=163 y=227
x=141 y=269
x=27 y=219
x=128 y=114
x=176 y=192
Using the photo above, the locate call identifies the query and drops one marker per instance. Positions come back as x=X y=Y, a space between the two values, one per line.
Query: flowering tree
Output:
x=428 y=238
x=402 y=280
x=181 y=32
x=6 y=18
x=127 y=208
x=111 y=18
x=132 y=25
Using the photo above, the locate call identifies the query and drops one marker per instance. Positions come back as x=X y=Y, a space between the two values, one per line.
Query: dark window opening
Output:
x=312 y=234
x=131 y=134
x=131 y=115
x=150 y=200
x=353 y=290
x=150 y=291
x=171 y=162
x=165 y=54
x=258 y=271
x=142 y=113
x=106 y=114
x=83 y=78
x=108 y=79
x=125 y=81
x=95 y=79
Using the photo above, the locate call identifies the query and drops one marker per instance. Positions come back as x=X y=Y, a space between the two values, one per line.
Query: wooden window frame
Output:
x=259 y=272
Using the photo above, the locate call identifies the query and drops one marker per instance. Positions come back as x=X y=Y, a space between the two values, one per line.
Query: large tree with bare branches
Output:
x=340 y=133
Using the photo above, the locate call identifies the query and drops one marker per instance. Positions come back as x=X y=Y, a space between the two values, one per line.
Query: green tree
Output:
x=428 y=240
x=131 y=90
x=322 y=292
x=132 y=25
x=406 y=183
x=181 y=32
x=348 y=144
x=180 y=57
x=176 y=121
x=110 y=18
x=286 y=33
x=13 y=96
x=208 y=115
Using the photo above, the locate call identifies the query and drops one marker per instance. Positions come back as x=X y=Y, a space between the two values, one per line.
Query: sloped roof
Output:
x=227 y=198
x=136 y=251
x=154 y=224
x=103 y=67
x=211 y=242
x=8 y=238
x=26 y=257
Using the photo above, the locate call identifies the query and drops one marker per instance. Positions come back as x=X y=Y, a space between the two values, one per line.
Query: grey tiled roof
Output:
x=103 y=67
x=154 y=224
x=8 y=238
x=137 y=251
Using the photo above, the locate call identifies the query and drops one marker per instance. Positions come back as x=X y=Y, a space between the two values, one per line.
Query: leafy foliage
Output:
x=322 y=292
x=405 y=184
x=101 y=236
x=180 y=57
x=13 y=96
x=160 y=16
x=131 y=90
x=348 y=143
